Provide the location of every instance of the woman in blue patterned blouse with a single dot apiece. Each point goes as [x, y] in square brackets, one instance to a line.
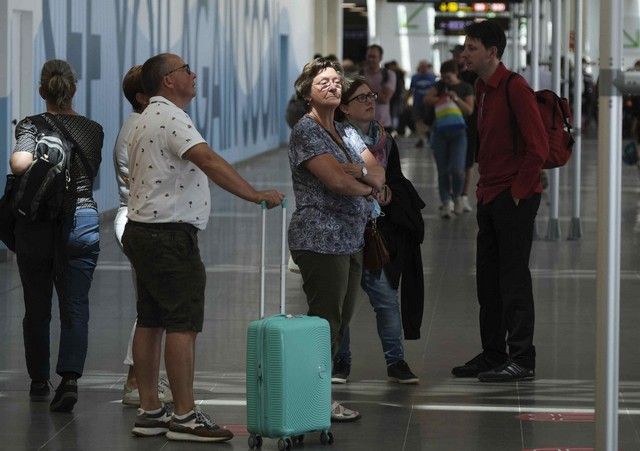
[333, 179]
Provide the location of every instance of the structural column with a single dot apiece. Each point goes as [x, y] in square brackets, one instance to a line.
[575, 230]
[553, 226]
[608, 265]
[328, 27]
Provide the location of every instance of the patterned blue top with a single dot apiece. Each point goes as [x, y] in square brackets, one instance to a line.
[324, 222]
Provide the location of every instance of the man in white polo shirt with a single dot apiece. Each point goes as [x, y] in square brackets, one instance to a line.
[169, 201]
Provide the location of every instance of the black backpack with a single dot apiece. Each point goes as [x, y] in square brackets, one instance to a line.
[39, 192]
[296, 108]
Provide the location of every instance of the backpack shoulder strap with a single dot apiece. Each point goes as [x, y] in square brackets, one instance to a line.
[512, 116]
[40, 122]
[511, 76]
[62, 129]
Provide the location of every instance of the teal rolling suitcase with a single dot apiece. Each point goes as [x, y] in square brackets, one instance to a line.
[288, 370]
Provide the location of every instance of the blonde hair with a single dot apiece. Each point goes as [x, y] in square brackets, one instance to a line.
[58, 83]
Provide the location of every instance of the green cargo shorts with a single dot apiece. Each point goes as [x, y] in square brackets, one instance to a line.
[170, 275]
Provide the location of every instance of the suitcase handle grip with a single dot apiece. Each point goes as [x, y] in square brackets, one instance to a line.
[283, 204]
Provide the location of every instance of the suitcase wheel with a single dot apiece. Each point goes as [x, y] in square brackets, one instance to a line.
[284, 444]
[326, 438]
[255, 441]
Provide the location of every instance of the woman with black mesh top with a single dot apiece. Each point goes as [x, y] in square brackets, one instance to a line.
[61, 252]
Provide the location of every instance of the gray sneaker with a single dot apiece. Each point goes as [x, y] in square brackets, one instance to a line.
[197, 427]
[151, 424]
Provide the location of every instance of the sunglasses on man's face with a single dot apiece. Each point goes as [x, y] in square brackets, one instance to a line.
[186, 68]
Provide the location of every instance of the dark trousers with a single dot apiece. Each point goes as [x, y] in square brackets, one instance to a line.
[331, 284]
[505, 234]
[41, 265]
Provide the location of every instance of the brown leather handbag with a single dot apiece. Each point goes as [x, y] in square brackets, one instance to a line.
[375, 254]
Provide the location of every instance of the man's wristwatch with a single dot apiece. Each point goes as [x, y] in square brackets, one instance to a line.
[363, 172]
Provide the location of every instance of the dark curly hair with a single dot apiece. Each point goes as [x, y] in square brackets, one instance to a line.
[309, 72]
[351, 85]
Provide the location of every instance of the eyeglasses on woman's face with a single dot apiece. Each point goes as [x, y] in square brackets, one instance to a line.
[364, 98]
[325, 83]
[186, 68]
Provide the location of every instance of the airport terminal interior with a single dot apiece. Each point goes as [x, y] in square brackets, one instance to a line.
[240, 112]
[555, 411]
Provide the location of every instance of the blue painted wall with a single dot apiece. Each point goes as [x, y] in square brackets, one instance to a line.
[4, 137]
[233, 46]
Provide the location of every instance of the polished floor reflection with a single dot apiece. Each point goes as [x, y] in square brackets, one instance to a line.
[442, 413]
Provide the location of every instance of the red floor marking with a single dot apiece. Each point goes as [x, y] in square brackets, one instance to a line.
[558, 449]
[237, 429]
[569, 417]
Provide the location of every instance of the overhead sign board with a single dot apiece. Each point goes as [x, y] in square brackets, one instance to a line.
[472, 7]
[439, 1]
[454, 26]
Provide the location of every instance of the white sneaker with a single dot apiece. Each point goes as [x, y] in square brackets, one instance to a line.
[341, 414]
[458, 206]
[446, 210]
[131, 396]
[150, 424]
[466, 206]
[164, 391]
[292, 267]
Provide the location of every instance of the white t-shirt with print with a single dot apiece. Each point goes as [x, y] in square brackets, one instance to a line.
[164, 187]
[121, 157]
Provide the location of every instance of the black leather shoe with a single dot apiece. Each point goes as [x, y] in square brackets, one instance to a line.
[66, 396]
[507, 372]
[473, 367]
[39, 390]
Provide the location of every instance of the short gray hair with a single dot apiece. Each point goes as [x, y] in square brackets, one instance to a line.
[153, 71]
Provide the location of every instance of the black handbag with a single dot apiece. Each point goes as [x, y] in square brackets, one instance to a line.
[375, 254]
[7, 217]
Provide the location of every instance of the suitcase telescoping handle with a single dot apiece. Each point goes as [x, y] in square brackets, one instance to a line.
[283, 257]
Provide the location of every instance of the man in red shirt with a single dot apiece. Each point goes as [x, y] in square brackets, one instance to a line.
[508, 199]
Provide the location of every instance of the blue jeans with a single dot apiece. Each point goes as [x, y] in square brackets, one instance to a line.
[40, 257]
[384, 300]
[450, 150]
